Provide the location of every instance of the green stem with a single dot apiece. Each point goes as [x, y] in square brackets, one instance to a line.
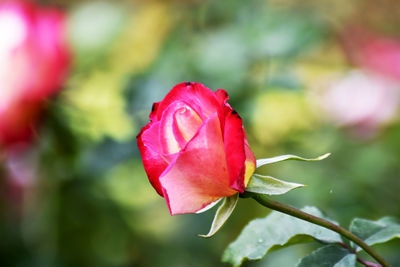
[319, 221]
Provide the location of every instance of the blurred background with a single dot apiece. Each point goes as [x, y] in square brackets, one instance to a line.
[308, 77]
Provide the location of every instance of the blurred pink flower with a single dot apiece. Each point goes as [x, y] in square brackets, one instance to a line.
[371, 51]
[363, 101]
[33, 62]
[383, 56]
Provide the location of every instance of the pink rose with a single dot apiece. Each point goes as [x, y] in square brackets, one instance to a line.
[33, 63]
[362, 101]
[195, 150]
[374, 52]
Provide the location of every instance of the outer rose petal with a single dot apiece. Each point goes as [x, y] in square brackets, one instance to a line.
[234, 147]
[199, 174]
[240, 165]
[250, 162]
[153, 114]
[222, 96]
[196, 95]
[152, 157]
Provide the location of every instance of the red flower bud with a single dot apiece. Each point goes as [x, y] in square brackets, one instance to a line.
[195, 150]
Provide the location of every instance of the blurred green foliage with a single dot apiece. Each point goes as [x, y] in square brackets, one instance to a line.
[90, 203]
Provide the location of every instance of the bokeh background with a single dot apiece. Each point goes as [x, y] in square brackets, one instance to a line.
[308, 77]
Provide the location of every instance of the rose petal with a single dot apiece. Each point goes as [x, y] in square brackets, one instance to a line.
[235, 152]
[168, 141]
[222, 96]
[179, 123]
[154, 109]
[197, 96]
[186, 123]
[250, 162]
[153, 161]
[198, 176]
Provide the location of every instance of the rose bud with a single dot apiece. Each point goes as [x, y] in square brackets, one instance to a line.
[194, 149]
[33, 63]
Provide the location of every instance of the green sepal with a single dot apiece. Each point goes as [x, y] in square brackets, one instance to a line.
[329, 256]
[268, 185]
[262, 162]
[223, 213]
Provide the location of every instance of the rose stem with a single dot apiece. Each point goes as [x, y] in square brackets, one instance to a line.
[319, 221]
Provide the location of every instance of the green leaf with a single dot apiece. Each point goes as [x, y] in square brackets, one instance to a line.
[222, 214]
[276, 230]
[262, 162]
[269, 185]
[376, 232]
[329, 256]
